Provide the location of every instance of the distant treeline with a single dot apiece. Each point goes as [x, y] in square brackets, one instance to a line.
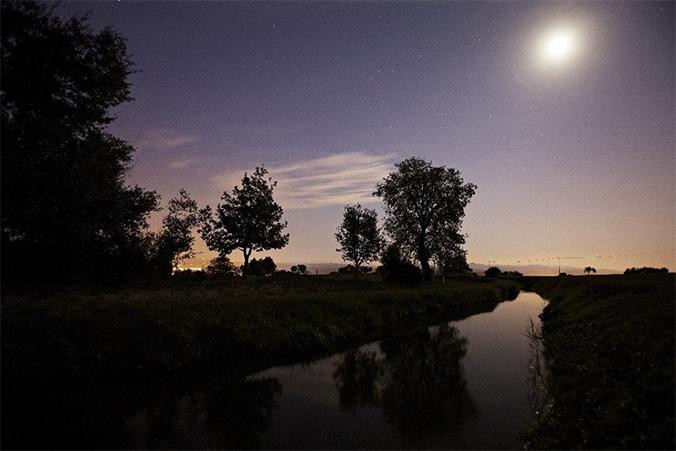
[645, 270]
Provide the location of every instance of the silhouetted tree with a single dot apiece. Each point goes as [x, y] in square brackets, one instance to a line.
[294, 269]
[589, 269]
[425, 206]
[493, 271]
[66, 211]
[302, 269]
[358, 236]
[175, 241]
[249, 219]
[221, 267]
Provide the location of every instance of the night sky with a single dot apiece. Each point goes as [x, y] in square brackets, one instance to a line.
[573, 152]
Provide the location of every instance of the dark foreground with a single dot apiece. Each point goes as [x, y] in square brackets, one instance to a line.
[609, 346]
[459, 384]
[66, 350]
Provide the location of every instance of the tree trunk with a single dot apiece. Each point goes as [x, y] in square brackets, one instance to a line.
[245, 267]
[424, 260]
[426, 270]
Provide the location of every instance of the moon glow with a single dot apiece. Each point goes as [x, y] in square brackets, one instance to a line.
[558, 46]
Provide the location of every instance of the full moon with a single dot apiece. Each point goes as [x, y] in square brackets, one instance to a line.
[558, 46]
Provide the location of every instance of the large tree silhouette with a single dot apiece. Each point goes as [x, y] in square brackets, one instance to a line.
[425, 205]
[66, 211]
[249, 219]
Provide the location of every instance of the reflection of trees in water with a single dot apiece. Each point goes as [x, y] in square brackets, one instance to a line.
[230, 414]
[359, 378]
[419, 382]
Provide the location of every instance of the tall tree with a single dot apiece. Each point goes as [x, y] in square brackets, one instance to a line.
[65, 206]
[358, 235]
[424, 207]
[249, 219]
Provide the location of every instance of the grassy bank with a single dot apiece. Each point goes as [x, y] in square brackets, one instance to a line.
[609, 344]
[258, 322]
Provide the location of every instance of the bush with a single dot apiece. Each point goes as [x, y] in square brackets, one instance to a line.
[493, 271]
[263, 267]
[398, 269]
[221, 267]
[350, 269]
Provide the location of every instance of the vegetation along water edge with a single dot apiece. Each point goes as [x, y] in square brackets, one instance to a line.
[609, 348]
[232, 324]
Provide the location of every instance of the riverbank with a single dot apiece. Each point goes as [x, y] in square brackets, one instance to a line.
[609, 346]
[242, 322]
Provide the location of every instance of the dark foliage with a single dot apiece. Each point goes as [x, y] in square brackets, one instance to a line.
[609, 345]
[397, 268]
[299, 269]
[263, 267]
[452, 262]
[349, 269]
[511, 274]
[175, 241]
[358, 235]
[646, 270]
[221, 267]
[249, 219]
[493, 271]
[425, 205]
[67, 215]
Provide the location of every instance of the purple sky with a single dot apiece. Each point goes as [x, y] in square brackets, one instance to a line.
[573, 160]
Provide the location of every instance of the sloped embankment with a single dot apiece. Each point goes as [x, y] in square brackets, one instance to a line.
[609, 345]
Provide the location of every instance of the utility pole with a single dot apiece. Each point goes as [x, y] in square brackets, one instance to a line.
[559, 260]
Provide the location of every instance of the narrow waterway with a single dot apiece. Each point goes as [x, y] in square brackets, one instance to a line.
[463, 384]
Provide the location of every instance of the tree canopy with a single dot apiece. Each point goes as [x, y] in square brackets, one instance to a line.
[66, 211]
[424, 208]
[249, 219]
[589, 269]
[175, 241]
[358, 235]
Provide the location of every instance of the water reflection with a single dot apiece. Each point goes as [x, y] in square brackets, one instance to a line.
[220, 412]
[417, 379]
[225, 414]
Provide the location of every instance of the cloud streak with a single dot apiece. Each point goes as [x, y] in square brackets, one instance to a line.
[165, 138]
[339, 179]
[180, 164]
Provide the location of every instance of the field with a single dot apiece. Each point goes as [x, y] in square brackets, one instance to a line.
[609, 347]
[229, 325]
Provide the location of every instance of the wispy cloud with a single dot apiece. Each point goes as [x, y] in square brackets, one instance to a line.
[165, 138]
[338, 179]
[180, 164]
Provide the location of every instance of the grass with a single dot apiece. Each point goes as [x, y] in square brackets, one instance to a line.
[258, 322]
[609, 345]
